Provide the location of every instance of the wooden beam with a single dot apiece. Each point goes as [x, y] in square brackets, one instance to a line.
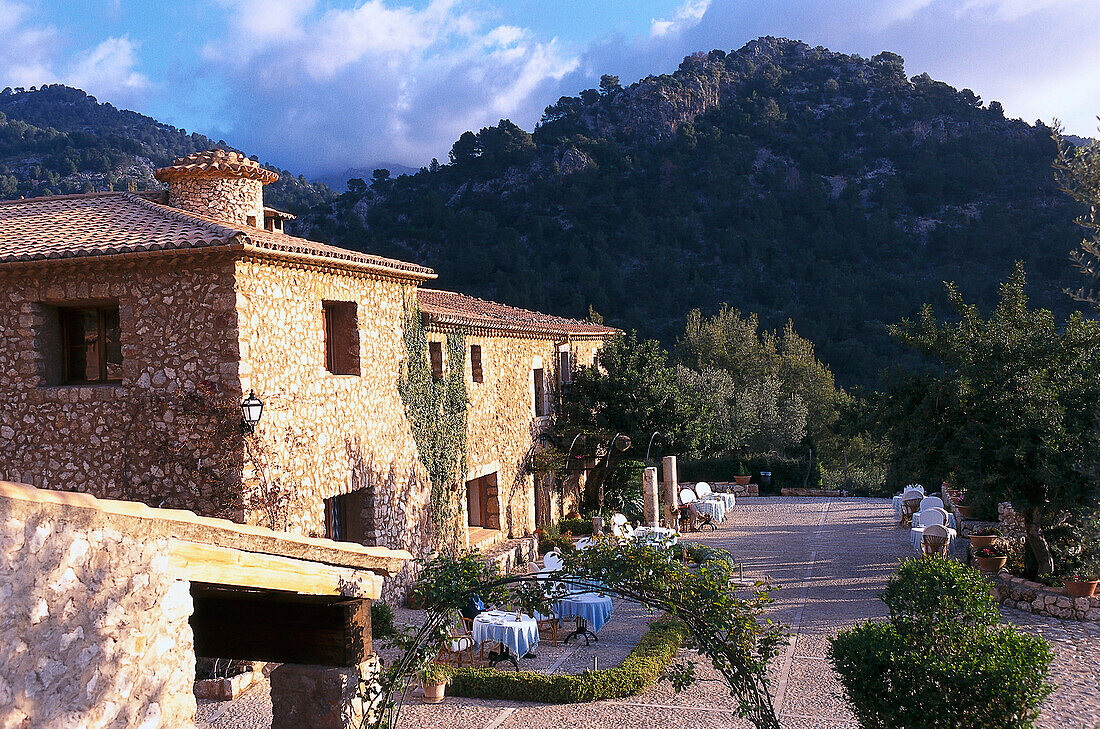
[267, 628]
[233, 567]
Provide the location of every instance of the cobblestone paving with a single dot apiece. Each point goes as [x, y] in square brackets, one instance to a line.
[828, 558]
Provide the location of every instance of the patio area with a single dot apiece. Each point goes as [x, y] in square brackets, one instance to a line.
[829, 558]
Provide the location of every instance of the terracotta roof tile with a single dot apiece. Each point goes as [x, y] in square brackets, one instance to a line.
[109, 223]
[449, 308]
[273, 213]
[215, 163]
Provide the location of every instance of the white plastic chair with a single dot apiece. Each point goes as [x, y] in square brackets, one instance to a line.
[584, 543]
[552, 562]
[702, 489]
[929, 502]
[620, 529]
[686, 496]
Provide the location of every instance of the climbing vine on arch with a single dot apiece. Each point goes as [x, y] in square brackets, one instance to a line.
[436, 411]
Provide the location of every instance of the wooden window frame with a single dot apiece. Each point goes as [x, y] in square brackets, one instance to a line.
[538, 383]
[565, 367]
[477, 371]
[345, 316]
[435, 360]
[100, 310]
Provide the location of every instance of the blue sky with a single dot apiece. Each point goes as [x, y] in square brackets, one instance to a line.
[319, 85]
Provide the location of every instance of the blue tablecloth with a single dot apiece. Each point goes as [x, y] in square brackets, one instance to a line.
[715, 508]
[899, 504]
[519, 635]
[728, 500]
[594, 608]
[657, 536]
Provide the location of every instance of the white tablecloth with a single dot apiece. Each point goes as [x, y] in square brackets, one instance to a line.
[728, 500]
[519, 635]
[915, 534]
[593, 607]
[657, 536]
[715, 508]
[950, 520]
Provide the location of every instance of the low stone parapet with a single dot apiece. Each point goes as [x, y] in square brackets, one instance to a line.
[512, 554]
[729, 487]
[1035, 597]
[812, 492]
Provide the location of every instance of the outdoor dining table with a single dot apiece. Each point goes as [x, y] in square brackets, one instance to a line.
[950, 520]
[728, 500]
[592, 606]
[516, 633]
[715, 508]
[657, 536]
[899, 503]
[917, 533]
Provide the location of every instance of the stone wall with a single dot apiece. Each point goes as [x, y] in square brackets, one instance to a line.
[226, 198]
[1034, 597]
[94, 632]
[178, 329]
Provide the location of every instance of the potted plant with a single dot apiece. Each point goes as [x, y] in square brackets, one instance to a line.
[415, 599]
[991, 558]
[985, 537]
[744, 476]
[1080, 585]
[434, 679]
[965, 510]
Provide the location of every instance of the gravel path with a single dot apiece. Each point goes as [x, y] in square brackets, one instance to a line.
[829, 558]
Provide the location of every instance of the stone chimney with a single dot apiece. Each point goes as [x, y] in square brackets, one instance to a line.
[218, 184]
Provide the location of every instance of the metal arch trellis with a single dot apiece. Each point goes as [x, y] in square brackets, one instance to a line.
[726, 629]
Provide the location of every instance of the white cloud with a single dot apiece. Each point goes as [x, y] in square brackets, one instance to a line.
[338, 87]
[687, 15]
[108, 70]
[25, 51]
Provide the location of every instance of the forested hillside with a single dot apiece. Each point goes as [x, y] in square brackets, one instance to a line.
[57, 140]
[785, 180]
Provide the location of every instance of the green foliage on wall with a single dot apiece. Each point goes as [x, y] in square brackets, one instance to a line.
[436, 411]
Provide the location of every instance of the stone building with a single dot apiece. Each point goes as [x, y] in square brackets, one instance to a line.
[132, 323]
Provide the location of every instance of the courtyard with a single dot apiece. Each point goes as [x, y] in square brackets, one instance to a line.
[828, 559]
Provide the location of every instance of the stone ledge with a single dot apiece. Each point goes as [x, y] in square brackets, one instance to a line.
[1034, 597]
[812, 492]
[729, 487]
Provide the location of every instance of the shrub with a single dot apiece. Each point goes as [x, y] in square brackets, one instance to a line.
[577, 527]
[638, 671]
[938, 591]
[941, 660]
[381, 620]
[993, 550]
[980, 678]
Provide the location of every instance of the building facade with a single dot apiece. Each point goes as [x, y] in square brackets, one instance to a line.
[133, 324]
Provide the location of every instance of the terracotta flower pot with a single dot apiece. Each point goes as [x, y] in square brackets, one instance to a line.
[965, 511]
[742, 480]
[978, 541]
[1080, 589]
[433, 692]
[991, 564]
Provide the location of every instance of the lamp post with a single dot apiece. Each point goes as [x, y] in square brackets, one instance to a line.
[251, 410]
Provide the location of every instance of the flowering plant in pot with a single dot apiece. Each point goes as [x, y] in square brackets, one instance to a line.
[434, 678]
[985, 537]
[1080, 585]
[991, 558]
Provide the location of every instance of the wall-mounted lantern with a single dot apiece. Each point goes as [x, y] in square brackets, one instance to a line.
[251, 410]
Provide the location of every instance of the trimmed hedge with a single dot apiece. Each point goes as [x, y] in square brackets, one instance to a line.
[576, 527]
[638, 671]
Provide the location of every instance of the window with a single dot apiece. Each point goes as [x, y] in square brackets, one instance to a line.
[565, 367]
[540, 392]
[480, 502]
[344, 516]
[435, 355]
[341, 337]
[250, 220]
[91, 347]
[475, 363]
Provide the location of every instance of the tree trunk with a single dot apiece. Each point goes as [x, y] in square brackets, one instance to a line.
[1036, 542]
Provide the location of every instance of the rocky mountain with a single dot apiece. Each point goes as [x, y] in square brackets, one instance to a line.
[338, 181]
[59, 140]
[783, 179]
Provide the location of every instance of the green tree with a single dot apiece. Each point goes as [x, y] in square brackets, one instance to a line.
[631, 392]
[1011, 406]
[1077, 170]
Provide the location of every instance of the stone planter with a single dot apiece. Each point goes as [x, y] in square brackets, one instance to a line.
[742, 480]
[991, 565]
[978, 541]
[433, 692]
[1080, 589]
